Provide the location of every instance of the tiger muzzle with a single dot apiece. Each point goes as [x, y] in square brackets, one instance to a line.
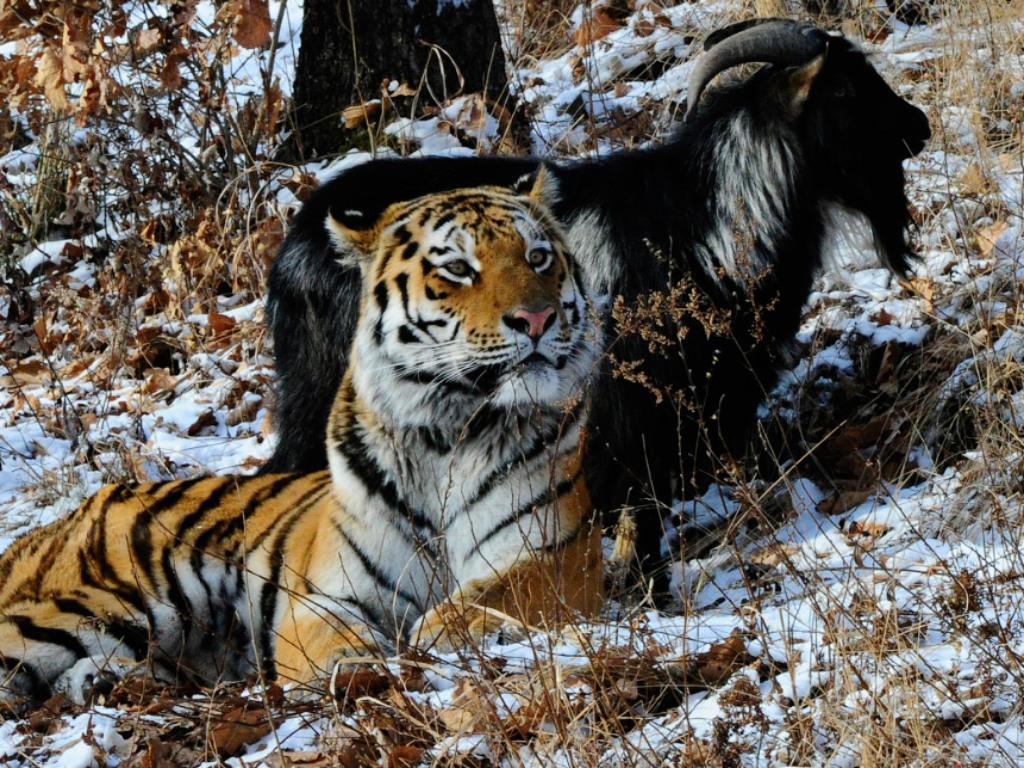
[533, 323]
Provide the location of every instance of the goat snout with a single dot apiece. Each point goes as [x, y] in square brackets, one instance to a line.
[531, 322]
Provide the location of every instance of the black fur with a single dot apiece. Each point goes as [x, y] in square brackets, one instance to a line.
[759, 152]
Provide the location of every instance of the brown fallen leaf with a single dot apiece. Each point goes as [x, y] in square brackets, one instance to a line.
[868, 530]
[924, 289]
[403, 756]
[221, 324]
[773, 554]
[601, 23]
[360, 114]
[843, 502]
[644, 27]
[26, 373]
[159, 381]
[717, 664]
[156, 754]
[975, 181]
[304, 759]
[469, 708]
[987, 236]
[355, 682]
[237, 728]
[206, 418]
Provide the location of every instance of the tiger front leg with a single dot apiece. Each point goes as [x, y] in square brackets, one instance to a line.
[315, 634]
[484, 605]
[463, 619]
[541, 591]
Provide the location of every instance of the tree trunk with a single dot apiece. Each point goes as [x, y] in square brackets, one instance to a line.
[440, 48]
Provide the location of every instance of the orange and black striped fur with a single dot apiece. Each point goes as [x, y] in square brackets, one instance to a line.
[454, 496]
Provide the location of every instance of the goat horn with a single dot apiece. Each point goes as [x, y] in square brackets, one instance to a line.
[775, 41]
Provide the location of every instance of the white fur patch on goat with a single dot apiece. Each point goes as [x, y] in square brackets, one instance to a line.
[754, 190]
[590, 241]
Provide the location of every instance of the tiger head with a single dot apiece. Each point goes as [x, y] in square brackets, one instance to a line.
[469, 295]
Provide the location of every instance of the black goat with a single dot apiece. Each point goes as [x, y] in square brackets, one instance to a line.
[728, 220]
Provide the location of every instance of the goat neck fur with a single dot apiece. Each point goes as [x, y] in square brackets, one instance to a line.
[728, 219]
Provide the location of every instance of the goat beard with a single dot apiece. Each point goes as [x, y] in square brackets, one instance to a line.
[888, 213]
[891, 226]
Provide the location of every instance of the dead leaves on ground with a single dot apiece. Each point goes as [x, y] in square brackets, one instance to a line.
[145, 331]
[397, 719]
[865, 424]
[600, 22]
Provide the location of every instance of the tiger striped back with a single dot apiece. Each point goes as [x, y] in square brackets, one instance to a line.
[454, 496]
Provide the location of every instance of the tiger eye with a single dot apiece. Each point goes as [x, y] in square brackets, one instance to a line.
[457, 268]
[538, 257]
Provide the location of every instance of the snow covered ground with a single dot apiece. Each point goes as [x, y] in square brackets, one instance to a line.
[865, 608]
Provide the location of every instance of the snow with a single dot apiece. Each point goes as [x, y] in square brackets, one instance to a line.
[89, 740]
[45, 253]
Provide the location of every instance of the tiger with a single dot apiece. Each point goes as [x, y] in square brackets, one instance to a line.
[454, 498]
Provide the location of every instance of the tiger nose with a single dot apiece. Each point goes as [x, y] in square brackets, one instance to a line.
[533, 323]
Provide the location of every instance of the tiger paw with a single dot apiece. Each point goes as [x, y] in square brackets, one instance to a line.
[94, 677]
[14, 688]
[449, 626]
[308, 666]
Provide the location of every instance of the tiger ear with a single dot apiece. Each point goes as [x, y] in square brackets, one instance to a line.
[541, 186]
[351, 235]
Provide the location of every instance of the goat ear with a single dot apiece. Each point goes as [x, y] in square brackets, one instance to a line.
[797, 88]
[541, 186]
[353, 238]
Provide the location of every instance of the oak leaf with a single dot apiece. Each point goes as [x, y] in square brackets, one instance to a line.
[987, 236]
[238, 728]
[601, 23]
[49, 78]
[252, 23]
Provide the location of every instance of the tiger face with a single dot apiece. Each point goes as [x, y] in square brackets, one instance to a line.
[476, 294]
